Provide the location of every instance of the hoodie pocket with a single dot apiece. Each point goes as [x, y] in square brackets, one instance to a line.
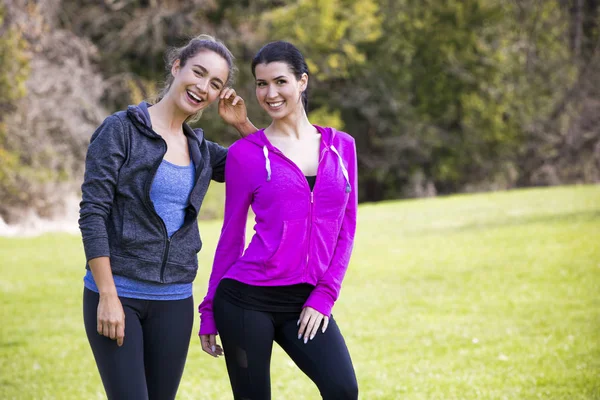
[324, 240]
[128, 229]
[288, 255]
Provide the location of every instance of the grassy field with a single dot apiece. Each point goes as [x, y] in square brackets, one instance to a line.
[491, 296]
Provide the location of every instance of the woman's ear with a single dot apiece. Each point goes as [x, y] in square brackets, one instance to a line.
[176, 67]
[303, 82]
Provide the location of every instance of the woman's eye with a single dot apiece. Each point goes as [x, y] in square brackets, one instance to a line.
[281, 82]
[216, 86]
[260, 84]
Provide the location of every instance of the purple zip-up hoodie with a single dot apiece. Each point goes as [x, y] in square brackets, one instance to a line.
[300, 236]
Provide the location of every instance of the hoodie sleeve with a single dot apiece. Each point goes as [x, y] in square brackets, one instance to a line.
[238, 196]
[218, 156]
[328, 287]
[105, 156]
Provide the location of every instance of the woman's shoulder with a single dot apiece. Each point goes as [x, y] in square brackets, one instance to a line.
[339, 139]
[112, 126]
[247, 146]
[344, 137]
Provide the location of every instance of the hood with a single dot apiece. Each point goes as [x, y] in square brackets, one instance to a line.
[140, 115]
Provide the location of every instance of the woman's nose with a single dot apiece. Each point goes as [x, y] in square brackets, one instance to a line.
[271, 92]
[202, 85]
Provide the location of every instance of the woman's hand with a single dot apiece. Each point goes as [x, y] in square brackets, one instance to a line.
[111, 318]
[309, 322]
[232, 107]
[233, 111]
[209, 345]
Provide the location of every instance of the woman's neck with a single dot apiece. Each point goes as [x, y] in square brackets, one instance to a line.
[295, 126]
[166, 117]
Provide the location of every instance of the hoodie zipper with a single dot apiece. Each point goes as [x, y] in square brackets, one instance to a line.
[311, 198]
[150, 205]
[312, 204]
[310, 218]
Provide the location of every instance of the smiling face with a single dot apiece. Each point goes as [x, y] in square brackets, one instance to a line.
[278, 91]
[198, 82]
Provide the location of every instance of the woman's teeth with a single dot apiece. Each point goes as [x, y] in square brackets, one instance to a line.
[275, 105]
[194, 97]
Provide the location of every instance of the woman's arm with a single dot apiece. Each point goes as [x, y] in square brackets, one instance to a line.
[238, 196]
[105, 156]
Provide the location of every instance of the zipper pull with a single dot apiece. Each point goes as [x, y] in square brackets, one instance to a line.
[311, 198]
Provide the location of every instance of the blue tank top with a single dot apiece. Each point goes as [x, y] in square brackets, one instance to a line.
[169, 193]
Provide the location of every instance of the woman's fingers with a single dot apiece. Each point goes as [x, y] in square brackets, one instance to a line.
[120, 333]
[210, 346]
[212, 341]
[112, 331]
[237, 100]
[227, 93]
[302, 321]
[204, 343]
[309, 327]
[106, 329]
[316, 323]
[111, 319]
[309, 322]
[325, 324]
[231, 95]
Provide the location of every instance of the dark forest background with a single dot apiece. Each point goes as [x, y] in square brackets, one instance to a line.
[441, 96]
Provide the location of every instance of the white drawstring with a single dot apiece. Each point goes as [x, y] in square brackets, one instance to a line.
[267, 162]
[344, 170]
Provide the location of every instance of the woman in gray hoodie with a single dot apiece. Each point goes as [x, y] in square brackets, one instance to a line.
[146, 175]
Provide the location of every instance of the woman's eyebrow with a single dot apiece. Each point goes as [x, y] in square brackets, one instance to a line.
[274, 79]
[205, 71]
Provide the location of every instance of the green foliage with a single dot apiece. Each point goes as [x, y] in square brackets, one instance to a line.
[325, 117]
[327, 31]
[14, 63]
[441, 97]
[490, 296]
[14, 70]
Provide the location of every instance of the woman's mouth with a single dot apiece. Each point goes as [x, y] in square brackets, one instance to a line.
[275, 105]
[194, 98]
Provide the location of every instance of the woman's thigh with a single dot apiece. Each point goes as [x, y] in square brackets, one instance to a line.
[325, 359]
[121, 368]
[167, 329]
[247, 339]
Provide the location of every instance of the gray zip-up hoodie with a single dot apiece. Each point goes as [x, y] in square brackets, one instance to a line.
[117, 217]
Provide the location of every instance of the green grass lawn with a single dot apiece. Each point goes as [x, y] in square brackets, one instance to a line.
[488, 296]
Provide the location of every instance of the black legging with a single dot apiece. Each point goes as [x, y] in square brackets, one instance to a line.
[247, 337]
[150, 363]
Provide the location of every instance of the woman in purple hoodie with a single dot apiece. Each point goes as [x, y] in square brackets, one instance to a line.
[300, 180]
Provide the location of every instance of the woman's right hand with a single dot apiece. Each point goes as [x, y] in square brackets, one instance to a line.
[111, 318]
[209, 345]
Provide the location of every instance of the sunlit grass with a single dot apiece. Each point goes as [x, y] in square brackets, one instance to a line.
[491, 296]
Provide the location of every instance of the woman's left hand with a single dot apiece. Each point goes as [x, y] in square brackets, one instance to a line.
[309, 322]
[232, 107]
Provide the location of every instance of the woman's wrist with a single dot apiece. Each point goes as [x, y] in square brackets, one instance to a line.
[245, 128]
[112, 292]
